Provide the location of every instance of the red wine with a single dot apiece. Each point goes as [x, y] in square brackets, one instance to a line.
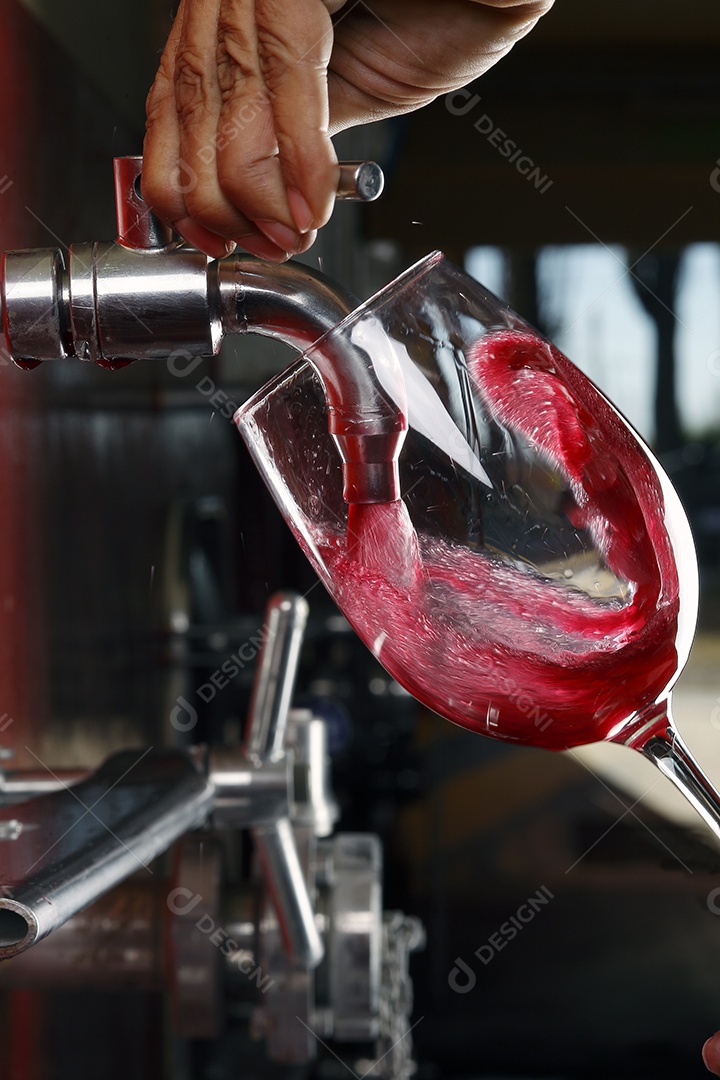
[491, 643]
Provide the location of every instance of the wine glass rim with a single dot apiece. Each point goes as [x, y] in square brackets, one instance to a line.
[378, 300]
[384, 295]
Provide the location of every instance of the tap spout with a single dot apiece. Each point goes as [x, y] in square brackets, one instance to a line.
[117, 302]
[365, 394]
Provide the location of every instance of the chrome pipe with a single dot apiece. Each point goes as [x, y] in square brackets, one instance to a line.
[16, 785]
[70, 847]
[243, 794]
[118, 942]
[144, 297]
[300, 306]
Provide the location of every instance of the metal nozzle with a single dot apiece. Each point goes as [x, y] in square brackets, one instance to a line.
[144, 297]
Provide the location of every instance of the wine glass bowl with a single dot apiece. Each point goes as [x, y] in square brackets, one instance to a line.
[538, 582]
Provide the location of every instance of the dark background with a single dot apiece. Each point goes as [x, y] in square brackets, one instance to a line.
[105, 477]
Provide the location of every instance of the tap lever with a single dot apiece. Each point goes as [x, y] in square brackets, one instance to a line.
[278, 853]
[285, 619]
[138, 227]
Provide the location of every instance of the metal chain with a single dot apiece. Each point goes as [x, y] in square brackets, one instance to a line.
[402, 935]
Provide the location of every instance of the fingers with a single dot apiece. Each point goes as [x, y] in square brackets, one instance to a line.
[296, 42]
[275, 160]
[198, 103]
[179, 175]
[161, 179]
[237, 144]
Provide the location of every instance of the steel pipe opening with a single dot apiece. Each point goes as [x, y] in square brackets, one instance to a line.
[14, 928]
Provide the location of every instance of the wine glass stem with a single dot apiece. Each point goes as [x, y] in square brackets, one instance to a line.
[666, 749]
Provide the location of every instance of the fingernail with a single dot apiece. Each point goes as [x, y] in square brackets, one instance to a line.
[308, 239]
[285, 238]
[264, 249]
[202, 239]
[301, 212]
[230, 246]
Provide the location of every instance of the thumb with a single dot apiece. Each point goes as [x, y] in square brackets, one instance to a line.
[711, 1054]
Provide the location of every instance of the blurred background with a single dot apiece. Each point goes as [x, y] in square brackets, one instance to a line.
[579, 180]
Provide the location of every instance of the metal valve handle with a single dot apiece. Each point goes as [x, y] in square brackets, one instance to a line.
[360, 181]
[138, 227]
[285, 619]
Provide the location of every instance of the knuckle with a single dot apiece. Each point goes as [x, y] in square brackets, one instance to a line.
[238, 90]
[277, 57]
[236, 61]
[191, 86]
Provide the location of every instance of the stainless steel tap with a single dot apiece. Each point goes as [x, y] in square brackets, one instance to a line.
[63, 856]
[308, 924]
[149, 296]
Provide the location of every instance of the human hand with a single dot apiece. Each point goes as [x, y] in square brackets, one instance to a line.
[249, 92]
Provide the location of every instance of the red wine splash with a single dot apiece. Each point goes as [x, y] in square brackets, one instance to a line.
[492, 643]
[381, 538]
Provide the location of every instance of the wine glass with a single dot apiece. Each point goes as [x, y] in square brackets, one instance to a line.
[537, 580]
